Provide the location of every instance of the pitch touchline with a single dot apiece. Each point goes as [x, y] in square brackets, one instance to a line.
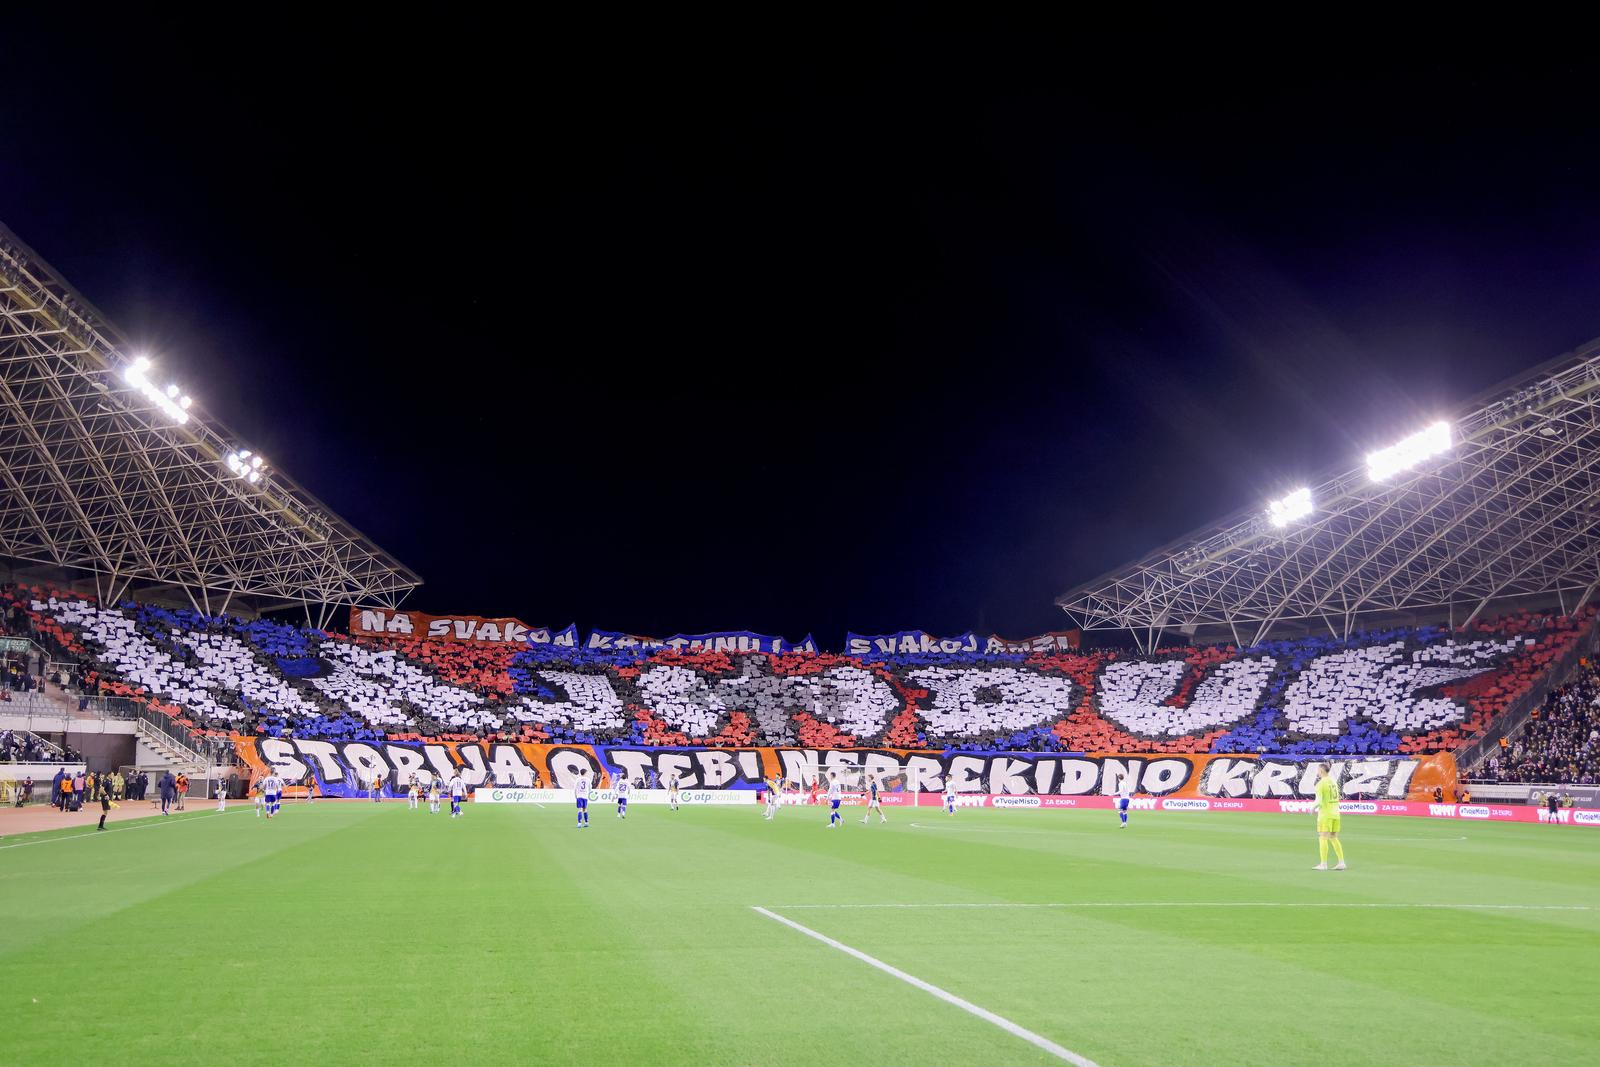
[927, 987]
[121, 830]
[1207, 904]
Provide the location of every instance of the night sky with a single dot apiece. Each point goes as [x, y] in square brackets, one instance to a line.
[680, 327]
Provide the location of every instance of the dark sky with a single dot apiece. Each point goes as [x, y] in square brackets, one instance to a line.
[677, 327]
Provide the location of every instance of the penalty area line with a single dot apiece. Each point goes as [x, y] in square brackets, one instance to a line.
[985, 1014]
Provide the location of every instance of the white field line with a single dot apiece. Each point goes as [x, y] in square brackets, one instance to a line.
[1206, 904]
[986, 1015]
[953, 829]
[992, 830]
[158, 821]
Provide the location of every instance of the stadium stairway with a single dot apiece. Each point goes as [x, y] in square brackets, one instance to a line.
[157, 752]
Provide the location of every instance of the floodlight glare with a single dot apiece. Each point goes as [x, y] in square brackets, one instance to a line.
[1404, 455]
[246, 464]
[1297, 505]
[134, 375]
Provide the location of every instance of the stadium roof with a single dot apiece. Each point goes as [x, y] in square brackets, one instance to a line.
[1509, 510]
[103, 471]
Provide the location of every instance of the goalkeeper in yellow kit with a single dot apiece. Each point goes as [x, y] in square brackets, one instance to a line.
[1328, 819]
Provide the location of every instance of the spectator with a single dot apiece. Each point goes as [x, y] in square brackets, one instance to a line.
[1560, 743]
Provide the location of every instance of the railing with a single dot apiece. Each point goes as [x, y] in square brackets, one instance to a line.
[178, 735]
[44, 751]
[70, 708]
[209, 750]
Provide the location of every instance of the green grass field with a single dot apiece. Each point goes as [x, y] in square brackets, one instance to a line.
[364, 933]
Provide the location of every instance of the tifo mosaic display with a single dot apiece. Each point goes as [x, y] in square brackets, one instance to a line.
[1391, 692]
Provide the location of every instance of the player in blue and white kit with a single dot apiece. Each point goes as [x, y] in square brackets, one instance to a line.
[949, 797]
[1124, 795]
[873, 804]
[623, 786]
[580, 793]
[835, 795]
[458, 793]
[272, 791]
[672, 791]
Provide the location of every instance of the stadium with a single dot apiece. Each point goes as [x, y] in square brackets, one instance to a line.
[1316, 782]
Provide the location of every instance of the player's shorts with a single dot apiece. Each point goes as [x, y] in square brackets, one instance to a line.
[1122, 803]
[622, 802]
[272, 798]
[835, 803]
[1327, 824]
[583, 802]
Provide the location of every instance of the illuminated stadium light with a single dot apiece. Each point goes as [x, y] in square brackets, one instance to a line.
[1297, 505]
[247, 465]
[171, 401]
[1404, 455]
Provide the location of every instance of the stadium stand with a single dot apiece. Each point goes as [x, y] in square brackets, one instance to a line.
[1405, 691]
[1560, 743]
[20, 746]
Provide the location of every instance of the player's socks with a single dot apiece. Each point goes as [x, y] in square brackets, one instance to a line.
[1322, 850]
[1338, 850]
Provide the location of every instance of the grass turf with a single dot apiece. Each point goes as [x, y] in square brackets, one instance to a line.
[364, 932]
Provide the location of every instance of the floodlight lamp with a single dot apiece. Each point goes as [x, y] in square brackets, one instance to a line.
[1296, 505]
[1410, 452]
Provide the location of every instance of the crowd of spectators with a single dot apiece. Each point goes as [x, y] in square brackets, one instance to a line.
[19, 746]
[1560, 742]
[1403, 690]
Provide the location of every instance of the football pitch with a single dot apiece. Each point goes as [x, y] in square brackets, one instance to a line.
[355, 932]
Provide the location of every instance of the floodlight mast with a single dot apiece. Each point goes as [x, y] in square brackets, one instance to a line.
[1511, 508]
[108, 473]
